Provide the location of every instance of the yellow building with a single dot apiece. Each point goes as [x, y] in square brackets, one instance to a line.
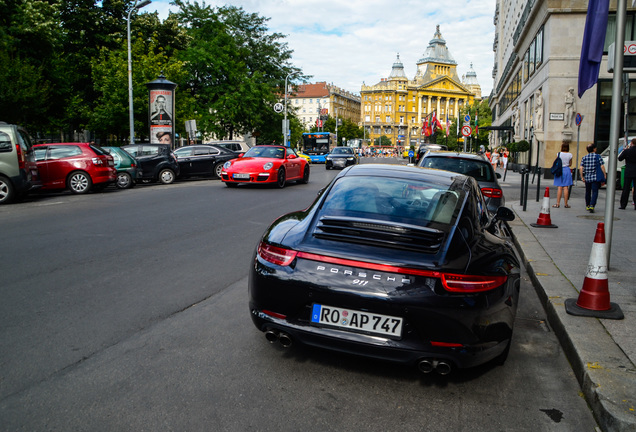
[396, 106]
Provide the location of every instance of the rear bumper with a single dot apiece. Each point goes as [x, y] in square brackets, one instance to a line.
[379, 348]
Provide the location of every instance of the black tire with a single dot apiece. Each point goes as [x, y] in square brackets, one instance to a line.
[124, 180]
[7, 191]
[281, 178]
[166, 176]
[218, 168]
[305, 178]
[79, 182]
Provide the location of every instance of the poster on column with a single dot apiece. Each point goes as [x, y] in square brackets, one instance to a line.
[161, 116]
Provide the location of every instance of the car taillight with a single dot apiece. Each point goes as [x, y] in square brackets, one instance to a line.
[492, 192]
[276, 255]
[21, 158]
[471, 283]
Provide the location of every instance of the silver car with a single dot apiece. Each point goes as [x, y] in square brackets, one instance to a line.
[472, 165]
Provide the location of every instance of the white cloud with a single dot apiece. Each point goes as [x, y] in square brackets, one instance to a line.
[348, 43]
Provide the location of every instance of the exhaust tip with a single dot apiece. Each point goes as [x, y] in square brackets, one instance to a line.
[425, 366]
[285, 340]
[443, 368]
[271, 336]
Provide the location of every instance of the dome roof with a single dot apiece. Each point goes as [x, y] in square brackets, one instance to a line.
[470, 77]
[437, 50]
[397, 71]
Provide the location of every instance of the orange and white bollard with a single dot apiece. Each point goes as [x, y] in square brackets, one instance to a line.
[594, 298]
[544, 221]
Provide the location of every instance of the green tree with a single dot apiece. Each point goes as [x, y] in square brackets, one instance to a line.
[237, 69]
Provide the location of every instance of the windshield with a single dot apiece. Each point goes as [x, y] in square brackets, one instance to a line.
[342, 150]
[398, 200]
[266, 152]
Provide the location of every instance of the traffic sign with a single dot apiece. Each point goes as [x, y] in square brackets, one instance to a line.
[278, 107]
[467, 130]
[467, 118]
[319, 123]
[578, 119]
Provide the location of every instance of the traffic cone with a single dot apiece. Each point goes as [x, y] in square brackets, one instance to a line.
[543, 221]
[594, 299]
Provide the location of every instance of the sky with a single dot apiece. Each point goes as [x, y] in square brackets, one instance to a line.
[355, 42]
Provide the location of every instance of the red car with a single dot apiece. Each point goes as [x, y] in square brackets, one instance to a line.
[78, 167]
[266, 164]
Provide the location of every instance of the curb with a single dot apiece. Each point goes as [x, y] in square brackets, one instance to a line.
[605, 374]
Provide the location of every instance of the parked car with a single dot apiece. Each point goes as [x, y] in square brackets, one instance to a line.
[128, 170]
[472, 165]
[341, 157]
[423, 148]
[390, 262]
[78, 167]
[202, 160]
[266, 164]
[234, 146]
[18, 169]
[157, 161]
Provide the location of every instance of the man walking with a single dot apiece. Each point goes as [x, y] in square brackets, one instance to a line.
[629, 155]
[592, 171]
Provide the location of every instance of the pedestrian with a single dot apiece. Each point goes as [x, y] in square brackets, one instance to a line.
[564, 181]
[494, 159]
[629, 156]
[593, 173]
[504, 158]
[487, 154]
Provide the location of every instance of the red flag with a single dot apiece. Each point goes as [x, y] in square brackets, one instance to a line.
[425, 127]
[434, 121]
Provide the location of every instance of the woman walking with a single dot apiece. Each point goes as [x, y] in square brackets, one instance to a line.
[564, 181]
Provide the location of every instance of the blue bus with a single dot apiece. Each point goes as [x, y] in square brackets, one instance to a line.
[317, 145]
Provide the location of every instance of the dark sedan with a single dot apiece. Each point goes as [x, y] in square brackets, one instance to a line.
[472, 165]
[341, 157]
[202, 160]
[395, 263]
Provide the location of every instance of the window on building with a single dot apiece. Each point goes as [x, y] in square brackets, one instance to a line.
[388, 119]
[610, 34]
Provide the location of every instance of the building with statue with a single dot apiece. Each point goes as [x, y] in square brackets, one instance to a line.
[396, 106]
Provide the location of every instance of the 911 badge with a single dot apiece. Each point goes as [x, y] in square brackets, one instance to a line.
[362, 278]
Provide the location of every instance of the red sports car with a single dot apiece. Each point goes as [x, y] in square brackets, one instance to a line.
[266, 164]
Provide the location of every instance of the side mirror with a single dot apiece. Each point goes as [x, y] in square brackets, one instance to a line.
[498, 175]
[292, 157]
[241, 155]
[504, 214]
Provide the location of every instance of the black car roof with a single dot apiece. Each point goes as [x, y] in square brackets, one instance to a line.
[411, 172]
[442, 153]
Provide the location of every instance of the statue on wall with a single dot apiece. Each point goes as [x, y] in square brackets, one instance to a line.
[538, 110]
[515, 120]
[570, 107]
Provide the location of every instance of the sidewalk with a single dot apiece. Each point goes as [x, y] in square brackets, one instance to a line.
[602, 352]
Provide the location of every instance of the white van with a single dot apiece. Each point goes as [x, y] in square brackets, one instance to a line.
[619, 164]
[232, 145]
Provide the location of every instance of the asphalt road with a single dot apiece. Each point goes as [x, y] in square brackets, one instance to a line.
[127, 310]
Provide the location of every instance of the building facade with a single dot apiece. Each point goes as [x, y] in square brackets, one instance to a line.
[537, 49]
[396, 106]
[310, 101]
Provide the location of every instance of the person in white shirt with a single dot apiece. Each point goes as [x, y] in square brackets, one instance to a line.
[564, 181]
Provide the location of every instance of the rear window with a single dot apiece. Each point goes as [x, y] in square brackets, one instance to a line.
[397, 200]
[479, 170]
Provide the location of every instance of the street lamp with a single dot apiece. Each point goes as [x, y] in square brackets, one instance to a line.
[130, 87]
[286, 126]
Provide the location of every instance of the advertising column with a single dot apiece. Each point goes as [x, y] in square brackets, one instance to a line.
[161, 110]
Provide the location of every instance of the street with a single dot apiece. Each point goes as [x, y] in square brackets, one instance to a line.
[127, 310]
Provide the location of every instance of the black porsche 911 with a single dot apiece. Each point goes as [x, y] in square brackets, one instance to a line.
[391, 262]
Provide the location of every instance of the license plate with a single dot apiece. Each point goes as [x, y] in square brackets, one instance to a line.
[355, 320]
[241, 176]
